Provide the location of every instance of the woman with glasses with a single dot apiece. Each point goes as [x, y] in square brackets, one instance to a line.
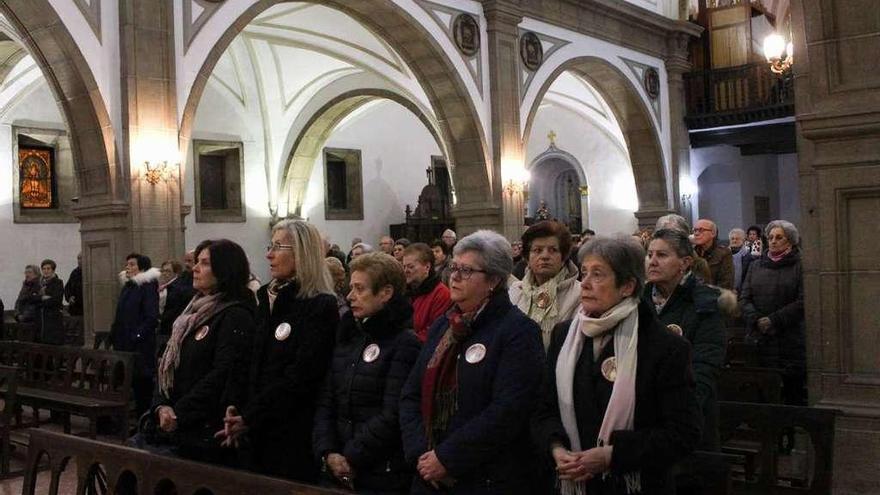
[464, 409]
[204, 365]
[618, 407]
[297, 317]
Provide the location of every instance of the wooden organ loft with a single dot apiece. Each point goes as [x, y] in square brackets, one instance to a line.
[731, 83]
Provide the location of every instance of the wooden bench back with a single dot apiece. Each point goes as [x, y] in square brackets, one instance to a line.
[71, 370]
[126, 470]
[759, 385]
[765, 424]
[9, 386]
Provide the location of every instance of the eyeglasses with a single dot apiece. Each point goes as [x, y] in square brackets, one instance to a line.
[464, 272]
[700, 230]
[275, 247]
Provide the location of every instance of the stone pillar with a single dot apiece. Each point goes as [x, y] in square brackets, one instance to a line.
[676, 66]
[150, 131]
[838, 123]
[503, 18]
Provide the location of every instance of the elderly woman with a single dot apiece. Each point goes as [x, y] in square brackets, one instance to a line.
[464, 409]
[340, 283]
[27, 305]
[772, 302]
[618, 406]
[204, 366]
[51, 301]
[297, 317]
[427, 294]
[687, 307]
[549, 292]
[360, 249]
[400, 246]
[357, 432]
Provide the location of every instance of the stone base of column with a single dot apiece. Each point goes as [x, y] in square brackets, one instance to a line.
[471, 218]
[648, 217]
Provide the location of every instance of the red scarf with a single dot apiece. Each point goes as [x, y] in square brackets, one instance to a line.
[440, 381]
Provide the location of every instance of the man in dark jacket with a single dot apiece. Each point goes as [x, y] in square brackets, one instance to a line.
[134, 328]
[719, 258]
[73, 291]
[177, 294]
[51, 297]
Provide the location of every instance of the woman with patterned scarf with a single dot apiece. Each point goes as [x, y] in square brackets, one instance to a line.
[465, 408]
[618, 406]
[204, 366]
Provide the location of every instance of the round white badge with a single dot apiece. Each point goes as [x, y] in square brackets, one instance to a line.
[202, 333]
[371, 353]
[672, 327]
[282, 331]
[475, 353]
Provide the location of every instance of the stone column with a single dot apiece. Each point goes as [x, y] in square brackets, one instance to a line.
[503, 18]
[676, 66]
[838, 123]
[150, 131]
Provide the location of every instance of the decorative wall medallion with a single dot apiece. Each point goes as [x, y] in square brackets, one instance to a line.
[531, 51]
[652, 83]
[466, 31]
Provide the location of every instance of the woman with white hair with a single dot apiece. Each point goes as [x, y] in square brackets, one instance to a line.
[465, 408]
[772, 302]
[297, 318]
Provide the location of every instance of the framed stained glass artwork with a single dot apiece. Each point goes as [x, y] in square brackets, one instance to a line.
[36, 175]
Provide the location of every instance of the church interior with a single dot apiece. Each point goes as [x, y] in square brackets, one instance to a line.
[149, 126]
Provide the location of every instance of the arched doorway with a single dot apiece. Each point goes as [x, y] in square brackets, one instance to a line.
[456, 118]
[558, 181]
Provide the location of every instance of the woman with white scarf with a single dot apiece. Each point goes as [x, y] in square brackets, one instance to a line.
[618, 406]
[205, 364]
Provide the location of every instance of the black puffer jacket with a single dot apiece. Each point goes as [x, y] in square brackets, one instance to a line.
[358, 409]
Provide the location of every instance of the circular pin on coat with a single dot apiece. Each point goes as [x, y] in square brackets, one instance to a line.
[203, 332]
[672, 327]
[609, 369]
[282, 331]
[475, 353]
[543, 300]
[371, 353]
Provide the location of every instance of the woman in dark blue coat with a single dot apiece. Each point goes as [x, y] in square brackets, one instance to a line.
[297, 319]
[357, 431]
[465, 408]
[204, 366]
[134, 328]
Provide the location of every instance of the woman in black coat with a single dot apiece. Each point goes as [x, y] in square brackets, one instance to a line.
[465, 408]
[618, 408]
[204, 366]
[297, 318]
[27, 305]
[51, 301]
[357, 431]
[689, 308]
[134, 328]
[772, 303]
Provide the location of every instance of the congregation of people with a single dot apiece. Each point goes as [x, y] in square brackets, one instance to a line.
[558, 363]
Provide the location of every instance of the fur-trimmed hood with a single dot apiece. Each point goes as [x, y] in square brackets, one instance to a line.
[151, 275]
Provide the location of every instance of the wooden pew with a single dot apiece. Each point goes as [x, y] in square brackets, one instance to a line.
[109, 468]
[742, 384]
[754, 431]
[704, 473]
[72, 380]
[8, 382]
[742, 354]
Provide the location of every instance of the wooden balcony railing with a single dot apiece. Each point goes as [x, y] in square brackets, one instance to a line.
[737, 95]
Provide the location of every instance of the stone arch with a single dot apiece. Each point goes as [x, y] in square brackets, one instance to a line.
[308, 144]
[70, 79]
[641, 134]
[456, 116]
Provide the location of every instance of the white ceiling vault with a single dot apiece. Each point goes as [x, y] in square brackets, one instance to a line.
[19, 73]
[295, 57]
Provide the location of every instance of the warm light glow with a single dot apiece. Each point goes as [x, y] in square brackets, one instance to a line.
[687, 186]
[512, 170]
[774, 47]
[789, 49]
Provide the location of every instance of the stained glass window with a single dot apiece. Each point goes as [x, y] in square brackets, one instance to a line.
[35, 175]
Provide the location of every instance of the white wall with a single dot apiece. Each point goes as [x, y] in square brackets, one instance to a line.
[396, 150]
[613, 198]
[23, 244]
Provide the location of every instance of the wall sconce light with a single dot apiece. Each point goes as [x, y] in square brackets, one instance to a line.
[778, 53]
[515, 176]
[157, 171]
